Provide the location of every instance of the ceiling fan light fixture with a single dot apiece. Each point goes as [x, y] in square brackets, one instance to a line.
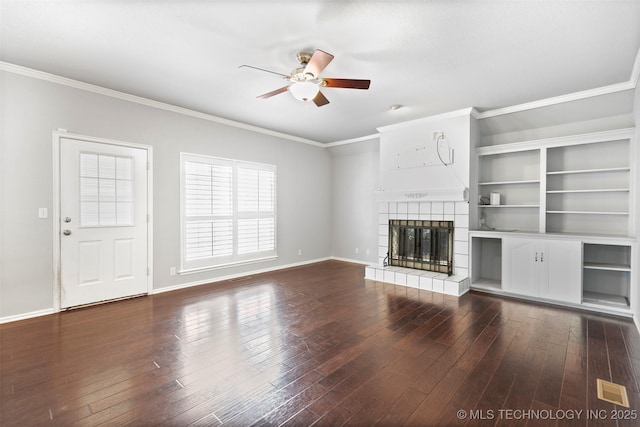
[304, 91]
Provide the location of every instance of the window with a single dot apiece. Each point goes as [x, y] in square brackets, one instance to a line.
[106, 190]
[228, 211]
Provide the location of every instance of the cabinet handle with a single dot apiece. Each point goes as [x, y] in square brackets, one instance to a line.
[541, 256]
[536, 257]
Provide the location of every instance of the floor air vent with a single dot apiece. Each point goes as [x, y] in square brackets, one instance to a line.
[613, 393]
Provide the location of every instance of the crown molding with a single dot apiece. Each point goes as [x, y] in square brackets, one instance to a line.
[352, 140]
[604, 90]
[52, 78]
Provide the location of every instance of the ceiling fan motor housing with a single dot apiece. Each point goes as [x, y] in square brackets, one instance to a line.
[304, 58]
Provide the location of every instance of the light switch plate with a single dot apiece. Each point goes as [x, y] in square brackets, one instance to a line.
[43, 213]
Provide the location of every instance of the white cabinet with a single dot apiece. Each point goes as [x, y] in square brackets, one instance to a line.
[547, 269]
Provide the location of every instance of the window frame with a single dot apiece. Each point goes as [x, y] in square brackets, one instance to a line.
[216, 262]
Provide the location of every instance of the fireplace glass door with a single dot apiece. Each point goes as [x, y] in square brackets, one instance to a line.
[423, 245]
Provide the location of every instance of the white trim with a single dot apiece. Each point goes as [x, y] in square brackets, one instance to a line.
[353, 140]
[24, 316]
[426, 195]
[353, 261]
[636, 320]
[234, 276]
[52, 78]
[635, 72]
[589, 93]
[57, 136]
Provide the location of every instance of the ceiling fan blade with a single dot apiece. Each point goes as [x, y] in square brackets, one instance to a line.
[262, 69]
[274, 92]
[320, 100]
[346, 83]
[319, 60]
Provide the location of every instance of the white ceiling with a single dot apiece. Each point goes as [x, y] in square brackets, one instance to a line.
[430, 56]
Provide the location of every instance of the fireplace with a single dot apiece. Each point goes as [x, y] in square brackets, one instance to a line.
[422, 245]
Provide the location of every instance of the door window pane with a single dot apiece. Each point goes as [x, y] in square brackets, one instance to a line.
[106, 190]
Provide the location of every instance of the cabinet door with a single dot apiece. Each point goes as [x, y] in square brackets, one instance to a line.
[520, 271]
[561, 271]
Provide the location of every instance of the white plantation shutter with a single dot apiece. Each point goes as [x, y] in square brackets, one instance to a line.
[228, 211]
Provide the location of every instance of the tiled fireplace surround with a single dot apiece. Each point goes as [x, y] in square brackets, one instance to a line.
[458, 212]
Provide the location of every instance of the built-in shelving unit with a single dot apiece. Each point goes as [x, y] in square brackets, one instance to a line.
[577, 188]
[576, 184]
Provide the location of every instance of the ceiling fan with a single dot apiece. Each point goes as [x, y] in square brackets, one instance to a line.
[306, 80]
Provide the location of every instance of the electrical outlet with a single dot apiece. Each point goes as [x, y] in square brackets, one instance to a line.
[172, 271]
[357, 251]
[368, 251]
[299, 251]
[439, 134]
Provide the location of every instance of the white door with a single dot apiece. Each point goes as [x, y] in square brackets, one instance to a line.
[562, 262]
[520, 271]
[103, 222]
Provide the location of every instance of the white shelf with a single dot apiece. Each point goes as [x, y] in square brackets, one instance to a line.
[607, 267]
[588, 213]
[600, 299]
[487, 283]
[603, 190]
[568, 172]
[527, 181]
[508, 206]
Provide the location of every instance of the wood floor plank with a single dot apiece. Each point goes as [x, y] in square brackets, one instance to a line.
[311, 345]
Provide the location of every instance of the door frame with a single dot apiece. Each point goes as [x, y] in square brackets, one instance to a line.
[58, 135]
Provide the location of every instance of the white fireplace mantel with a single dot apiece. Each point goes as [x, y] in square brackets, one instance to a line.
[429, 195]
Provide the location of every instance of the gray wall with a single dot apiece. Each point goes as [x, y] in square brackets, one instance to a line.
[354, 210]
[31, 109]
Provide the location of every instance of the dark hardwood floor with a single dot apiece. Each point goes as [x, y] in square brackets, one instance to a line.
[316, 345]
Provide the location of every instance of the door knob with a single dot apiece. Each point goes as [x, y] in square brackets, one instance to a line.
[66, 232]
[67, 219]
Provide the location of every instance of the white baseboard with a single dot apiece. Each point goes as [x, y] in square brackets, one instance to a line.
[636, 320]
[24, 316]
[234, 276]
[353, 261]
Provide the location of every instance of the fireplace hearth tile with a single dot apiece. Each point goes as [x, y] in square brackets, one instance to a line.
[400, 278]
[438, 286]
[413, 281]
[431, 281]
[426, 283]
